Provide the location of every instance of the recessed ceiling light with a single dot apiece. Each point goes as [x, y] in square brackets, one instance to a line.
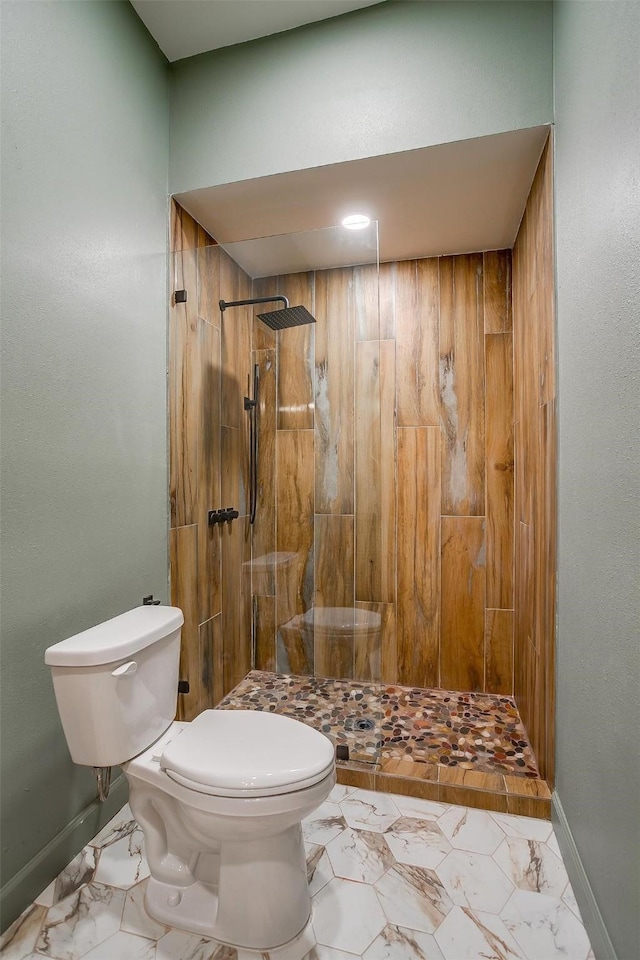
[357, 221]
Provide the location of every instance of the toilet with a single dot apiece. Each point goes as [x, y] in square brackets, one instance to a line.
[220, 799]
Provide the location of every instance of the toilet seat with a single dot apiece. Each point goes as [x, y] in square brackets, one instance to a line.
[247, 753]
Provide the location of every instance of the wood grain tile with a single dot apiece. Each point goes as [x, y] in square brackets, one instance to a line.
[208, 259]
[210, 656]
[295, 525]
[376, 658]
[498, 639]
[184, 395]
[498, 317]
[528, 807]
[473, 779]
[295, 648]
[236, 604]
[264, 611]
[234, 480]
[334, 561]
[183, 559]
[184, 230]
[407, 786]
[387, 300]
[367, 314]
[480, 799]
[416, 312]
[208, 488]
[264, 338]
[218, 659]
[463, 603]
[236, 329]
[334, 392]
[525, 787]
[296, 357]
[418, 601]
[356, 776]
[461, 384]
[405, 767]
[499, 470]
[375, 471]
[264, 528]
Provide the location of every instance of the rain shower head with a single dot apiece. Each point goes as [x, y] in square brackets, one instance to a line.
[287, 317]
[276, 319]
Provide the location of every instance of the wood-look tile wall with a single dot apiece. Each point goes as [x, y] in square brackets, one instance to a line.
[393, 487]
[209, 367]
[535, 486]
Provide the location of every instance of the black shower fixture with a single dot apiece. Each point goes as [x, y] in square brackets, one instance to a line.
[276, 319]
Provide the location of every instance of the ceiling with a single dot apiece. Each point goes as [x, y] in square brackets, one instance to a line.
[445, 199]
[184, 28]
[451, 198]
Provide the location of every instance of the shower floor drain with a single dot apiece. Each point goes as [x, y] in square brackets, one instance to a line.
[364, 724]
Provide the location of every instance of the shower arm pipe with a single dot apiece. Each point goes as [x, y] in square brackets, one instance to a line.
[223, 304]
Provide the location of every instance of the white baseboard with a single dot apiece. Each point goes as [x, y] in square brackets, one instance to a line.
[589, 909]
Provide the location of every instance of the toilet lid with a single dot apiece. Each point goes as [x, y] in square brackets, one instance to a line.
[247, 753]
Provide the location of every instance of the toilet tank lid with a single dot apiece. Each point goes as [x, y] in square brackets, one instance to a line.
[117, 638]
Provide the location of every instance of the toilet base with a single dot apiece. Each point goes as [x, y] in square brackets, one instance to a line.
[261, 901]
[192, 908]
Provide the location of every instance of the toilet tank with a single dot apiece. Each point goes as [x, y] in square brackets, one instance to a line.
[116, 685]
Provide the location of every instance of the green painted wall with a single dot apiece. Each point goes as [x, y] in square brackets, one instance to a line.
[597, 94]
[84, 459]
[392, 77]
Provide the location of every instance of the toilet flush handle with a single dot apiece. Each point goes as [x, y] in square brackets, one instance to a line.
[125, 670]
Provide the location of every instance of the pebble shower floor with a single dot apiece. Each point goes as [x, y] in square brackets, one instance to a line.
[473, 731]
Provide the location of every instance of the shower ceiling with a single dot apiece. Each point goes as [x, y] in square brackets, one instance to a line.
[451, 198]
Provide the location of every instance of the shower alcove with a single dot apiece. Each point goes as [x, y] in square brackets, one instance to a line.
[397, 587]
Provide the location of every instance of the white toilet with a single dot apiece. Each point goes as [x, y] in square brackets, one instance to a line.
[219, 800]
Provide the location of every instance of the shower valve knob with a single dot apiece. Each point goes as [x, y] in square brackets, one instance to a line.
[222, 516]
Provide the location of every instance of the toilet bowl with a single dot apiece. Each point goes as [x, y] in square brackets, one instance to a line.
[220, 800]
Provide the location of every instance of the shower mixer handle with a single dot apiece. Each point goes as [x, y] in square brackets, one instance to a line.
[222, 516]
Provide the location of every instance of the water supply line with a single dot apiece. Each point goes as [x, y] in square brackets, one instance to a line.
[103, 780]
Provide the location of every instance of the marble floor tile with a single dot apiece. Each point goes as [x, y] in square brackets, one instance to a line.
[81, 870]
[472, 830]
[359, 855]
[568, 897]
[420, 809]
[474, 880]
[325, 824]
[122, 863]
[399, 943]
[124, 946]
[347, 916]
[319, 870]
[545, 927]
[135, 918]
[466, 934]
[81, 921]
[119, 826]
[527, 827]
[177, 945]
[413, 897]
[391, 878]
[19, 940]
[367, 810]
[552, 843]
[531, 865]
[417, 842]
[320, 952]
